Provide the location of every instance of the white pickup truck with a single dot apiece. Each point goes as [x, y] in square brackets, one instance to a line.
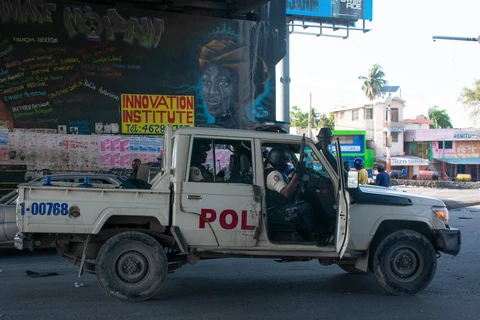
[131, 238]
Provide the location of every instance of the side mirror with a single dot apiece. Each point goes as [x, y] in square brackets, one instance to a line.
[352, 180]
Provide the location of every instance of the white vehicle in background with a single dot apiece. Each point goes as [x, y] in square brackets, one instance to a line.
[131, 238]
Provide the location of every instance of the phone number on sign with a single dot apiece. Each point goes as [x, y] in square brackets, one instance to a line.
[151, 128]
[44, 208]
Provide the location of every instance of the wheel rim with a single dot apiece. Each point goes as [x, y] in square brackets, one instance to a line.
[131, 267]
[405, 263]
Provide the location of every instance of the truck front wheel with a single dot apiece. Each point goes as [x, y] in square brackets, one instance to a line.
[404, 262]
[131, 266]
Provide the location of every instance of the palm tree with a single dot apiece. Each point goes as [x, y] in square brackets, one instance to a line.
[373, 82]
[314, 118]
[440, 118]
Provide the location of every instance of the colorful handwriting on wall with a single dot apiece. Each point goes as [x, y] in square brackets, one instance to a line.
[30, 11]
[150, 114]
[148, 32]
[83, 20]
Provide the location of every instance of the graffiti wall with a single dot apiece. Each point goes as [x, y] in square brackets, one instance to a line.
[78, 68]
[65, 152]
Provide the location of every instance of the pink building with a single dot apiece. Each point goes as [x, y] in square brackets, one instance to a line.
[452, 151]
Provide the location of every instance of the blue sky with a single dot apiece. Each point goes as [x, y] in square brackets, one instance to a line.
[429, 73]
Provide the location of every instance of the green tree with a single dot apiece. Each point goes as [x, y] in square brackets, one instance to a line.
[298, 118]
[373, 82]
[327, 121]
[440, 118]
[317, 119]
[470, 98]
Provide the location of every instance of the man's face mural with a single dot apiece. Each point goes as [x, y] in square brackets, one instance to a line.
[219, 90]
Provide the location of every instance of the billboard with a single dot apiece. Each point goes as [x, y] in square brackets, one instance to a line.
[338, 9]
[80, 68]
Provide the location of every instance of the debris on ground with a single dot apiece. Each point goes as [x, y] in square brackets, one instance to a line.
[79, 284]
[34, 274]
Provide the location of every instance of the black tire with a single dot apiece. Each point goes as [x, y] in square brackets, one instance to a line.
[404, 262]
[350, 268]
[131, 266]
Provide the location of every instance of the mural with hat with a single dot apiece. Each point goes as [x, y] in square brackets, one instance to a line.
[236, 85]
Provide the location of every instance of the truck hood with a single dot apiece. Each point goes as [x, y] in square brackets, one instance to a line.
[389, 196]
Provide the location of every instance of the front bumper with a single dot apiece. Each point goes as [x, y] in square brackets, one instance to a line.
[21, 242]
[449, 240]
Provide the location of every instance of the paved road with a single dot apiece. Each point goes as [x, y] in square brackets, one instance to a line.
[247, 289]
[453, 198]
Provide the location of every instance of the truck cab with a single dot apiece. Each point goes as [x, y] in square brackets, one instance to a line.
[211, 200]
[228, 209]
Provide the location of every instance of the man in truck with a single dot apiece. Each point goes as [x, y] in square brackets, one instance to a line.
[198, 172]
[281, 192]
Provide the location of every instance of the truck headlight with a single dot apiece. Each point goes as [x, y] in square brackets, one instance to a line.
[442, 212]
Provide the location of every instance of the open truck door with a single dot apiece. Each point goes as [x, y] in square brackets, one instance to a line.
[342, 235]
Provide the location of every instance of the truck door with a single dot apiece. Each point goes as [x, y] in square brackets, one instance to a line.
[343, 200]
[219, 202]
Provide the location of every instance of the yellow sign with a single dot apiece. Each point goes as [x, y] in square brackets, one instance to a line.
[151, 114]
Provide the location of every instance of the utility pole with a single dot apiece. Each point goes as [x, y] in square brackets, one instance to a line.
[389, 90]
[310, 118]
[389, 133]
[443, 160]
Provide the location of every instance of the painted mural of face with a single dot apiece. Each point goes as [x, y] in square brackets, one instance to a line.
[219, 90]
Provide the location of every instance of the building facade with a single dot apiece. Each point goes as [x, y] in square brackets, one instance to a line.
[373, 119]
[452, 151]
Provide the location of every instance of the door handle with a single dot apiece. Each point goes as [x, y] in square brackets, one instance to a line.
[194, 197]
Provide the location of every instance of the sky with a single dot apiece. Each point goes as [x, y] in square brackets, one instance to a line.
[429, 73]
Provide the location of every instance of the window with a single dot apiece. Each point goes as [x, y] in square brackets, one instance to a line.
[345, 139]
[221, 160]
[394, 136]
[394, 114]
[368, 114]
[354, 115]
[448, 145]
[311, 160]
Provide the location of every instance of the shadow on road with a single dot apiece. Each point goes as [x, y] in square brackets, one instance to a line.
[12, 252]
[223, 288]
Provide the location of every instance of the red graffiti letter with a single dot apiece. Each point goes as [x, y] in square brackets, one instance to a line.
[223, 219]
[203, 217]
[245, 226]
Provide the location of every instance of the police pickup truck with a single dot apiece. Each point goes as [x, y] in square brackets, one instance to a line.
[211, 201]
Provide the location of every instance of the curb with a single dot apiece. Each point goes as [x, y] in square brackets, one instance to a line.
[452, 204]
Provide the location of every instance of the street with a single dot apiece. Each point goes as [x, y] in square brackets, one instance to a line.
[246, 289]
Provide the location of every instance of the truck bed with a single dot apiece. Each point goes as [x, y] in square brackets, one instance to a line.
[46, 209]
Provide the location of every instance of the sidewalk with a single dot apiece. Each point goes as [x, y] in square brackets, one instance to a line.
[453, 198]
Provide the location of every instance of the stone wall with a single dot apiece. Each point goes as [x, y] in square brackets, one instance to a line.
[436, 184]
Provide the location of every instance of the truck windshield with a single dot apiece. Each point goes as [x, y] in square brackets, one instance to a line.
[312, 161]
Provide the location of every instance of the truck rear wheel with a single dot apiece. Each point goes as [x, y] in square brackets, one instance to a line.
[404, 262]
[131, 266]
